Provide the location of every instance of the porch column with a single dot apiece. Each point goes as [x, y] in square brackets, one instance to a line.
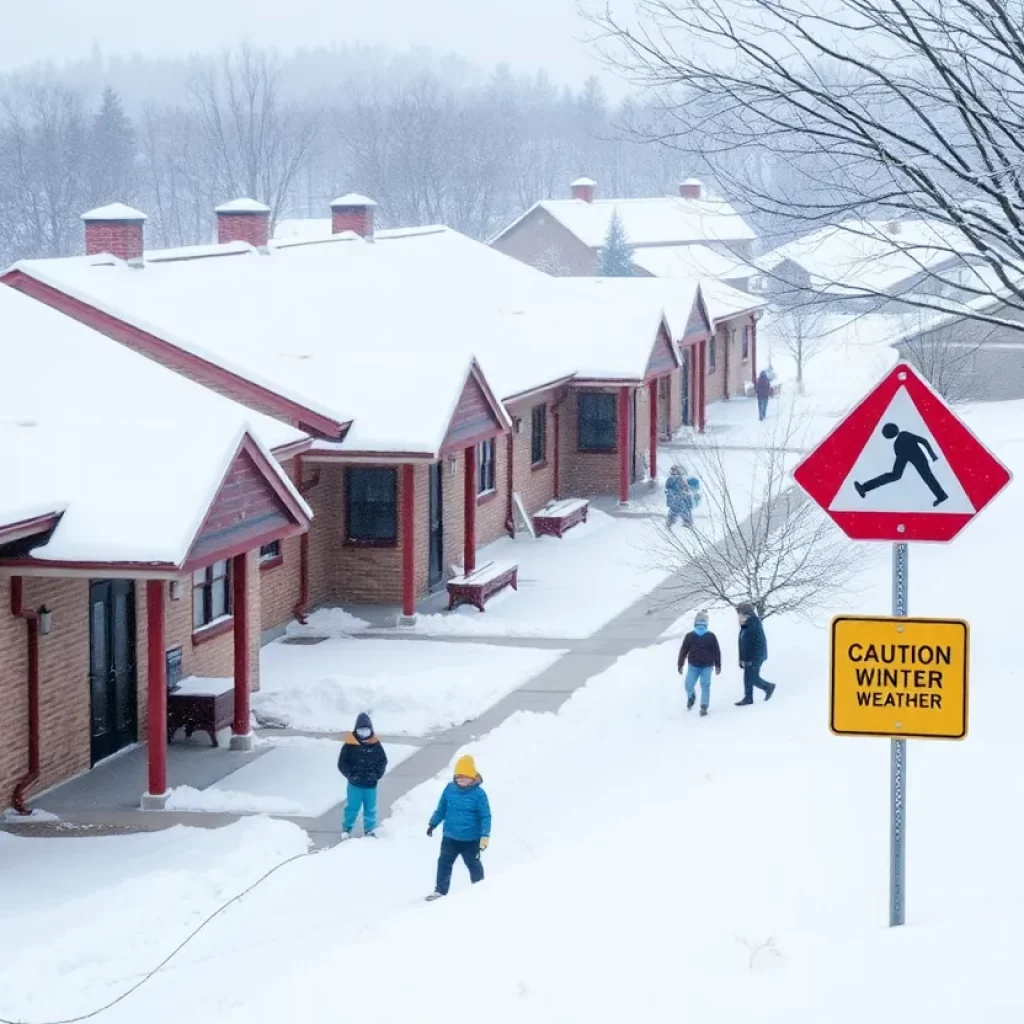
[694, 388]
[753, 349]
[469, 538]
[702, 384]
[241, 733]
[556, 412]
[652, 390]
[155, 797]
[408, 530]
[726, 346]
[623, 444]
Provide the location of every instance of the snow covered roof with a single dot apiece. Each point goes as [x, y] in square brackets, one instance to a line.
[243, 205]
[692, 261]
[583, 183]
[352, 199]
[870, 256]
[723, 301]
[667, 221]
[126, 448]
[114, 212]
[303, 227]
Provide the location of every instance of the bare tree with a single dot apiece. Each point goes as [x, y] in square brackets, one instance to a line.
[874, 110]
[552, 263]
[803, 331]
[758, 539]
[945, 353]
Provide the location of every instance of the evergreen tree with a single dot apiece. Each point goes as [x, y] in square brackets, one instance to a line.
[616, 256]
[112, 176]
[550, 262]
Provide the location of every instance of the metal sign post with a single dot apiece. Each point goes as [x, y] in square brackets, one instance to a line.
[898, 767]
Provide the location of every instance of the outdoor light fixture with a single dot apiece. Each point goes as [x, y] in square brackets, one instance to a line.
[45, 620]
[175, 590]
[452, 464]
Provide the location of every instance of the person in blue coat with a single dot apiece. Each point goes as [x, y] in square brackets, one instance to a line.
[466, 813]
[678, 498]
[753, 654]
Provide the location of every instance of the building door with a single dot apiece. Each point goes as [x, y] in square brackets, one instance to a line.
[112, 681]
[435, 572]
[636, 469]
[684, 382]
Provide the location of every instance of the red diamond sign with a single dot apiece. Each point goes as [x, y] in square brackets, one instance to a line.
[902, 466]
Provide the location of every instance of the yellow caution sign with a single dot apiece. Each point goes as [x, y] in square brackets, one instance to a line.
[899, 677]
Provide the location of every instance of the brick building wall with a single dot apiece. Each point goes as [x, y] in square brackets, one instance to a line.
[715, 371]
[642, 447]
[535, 484]
[13, 696]
[584, 473]
[675, 400]
[280, 585]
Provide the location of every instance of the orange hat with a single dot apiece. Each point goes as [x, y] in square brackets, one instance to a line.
[466, 767]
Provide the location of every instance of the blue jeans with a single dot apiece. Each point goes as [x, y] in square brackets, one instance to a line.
[701, 674]
[360, 799]
[451, 850]
[752, 678]
[762, 407]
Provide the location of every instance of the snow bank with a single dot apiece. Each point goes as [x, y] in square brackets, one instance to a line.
[328, 622]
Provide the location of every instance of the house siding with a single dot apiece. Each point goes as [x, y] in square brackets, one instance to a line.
[538, 234]
[584, 473]
[535, 484]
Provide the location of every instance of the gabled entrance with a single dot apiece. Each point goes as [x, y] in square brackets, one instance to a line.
[113, 693]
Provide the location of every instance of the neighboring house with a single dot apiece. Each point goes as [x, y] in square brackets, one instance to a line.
[137, 510]
[863, 264]
[692, 234]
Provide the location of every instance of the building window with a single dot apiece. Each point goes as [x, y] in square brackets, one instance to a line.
[539, 434]
[270, 552]
[485, 475]
[596, 422]
[211, 594]
[745, 351]
[712, 354]
[371, 507]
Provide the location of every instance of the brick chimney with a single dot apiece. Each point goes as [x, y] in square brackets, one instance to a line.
[115, 229]
[243, 220]
[583, 188]
[353, 212]
[692, 188]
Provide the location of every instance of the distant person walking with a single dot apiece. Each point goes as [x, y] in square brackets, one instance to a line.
[753, 654]
[466, 813]
[699, 654]
[909, 450]
[678, 498]
[363, 762]
[763, 390]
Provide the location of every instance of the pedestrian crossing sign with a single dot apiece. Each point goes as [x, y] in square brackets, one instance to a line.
[902, 466]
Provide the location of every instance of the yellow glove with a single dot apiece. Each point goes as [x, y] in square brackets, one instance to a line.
[484, 843]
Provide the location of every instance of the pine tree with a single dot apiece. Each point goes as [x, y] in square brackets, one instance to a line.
[616, 256]
[112, 177]
[550, 262]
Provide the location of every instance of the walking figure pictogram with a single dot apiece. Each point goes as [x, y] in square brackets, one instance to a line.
[909, 448]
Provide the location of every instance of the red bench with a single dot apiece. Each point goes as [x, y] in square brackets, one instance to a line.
[481, 584]
[554, 519]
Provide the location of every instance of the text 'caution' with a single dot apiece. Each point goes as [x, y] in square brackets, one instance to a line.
[899, 677]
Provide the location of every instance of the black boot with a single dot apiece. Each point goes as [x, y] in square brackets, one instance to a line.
[744, 702]
[703, 711]
[768, 693]
[689, 702]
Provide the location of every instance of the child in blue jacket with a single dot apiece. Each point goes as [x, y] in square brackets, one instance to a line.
[466, 813]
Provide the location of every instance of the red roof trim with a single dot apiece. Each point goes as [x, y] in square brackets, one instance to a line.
[11, 532]
[326, 455]
[155, 347]
[140, 569]
[284, 452]
[252, 544]
[522, 396]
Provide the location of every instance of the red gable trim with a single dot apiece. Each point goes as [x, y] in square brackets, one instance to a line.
[664, 355]
[284, 452]
[175, 358]
[699, 322]
[477, 417]
[28, 527]
[118, 570]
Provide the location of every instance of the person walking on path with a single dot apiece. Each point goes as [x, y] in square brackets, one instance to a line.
[753, 654]
[466, 813]
[678, 498]
[700, 653]
[363, 762]
[763, 390]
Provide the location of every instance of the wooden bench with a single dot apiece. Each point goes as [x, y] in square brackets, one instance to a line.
[554, 519]
[481, 584]
[201, 705]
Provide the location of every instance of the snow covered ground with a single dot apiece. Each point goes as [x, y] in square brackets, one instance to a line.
[408, 687]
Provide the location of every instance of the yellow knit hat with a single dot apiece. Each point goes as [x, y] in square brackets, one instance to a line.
[466, 766]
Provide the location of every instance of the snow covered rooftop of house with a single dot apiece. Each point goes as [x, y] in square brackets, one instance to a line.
[692, 261]
[352, 199]
[667, 221]
[128, 447]
[113, 212]
[302, 227]
[723, 301]
[870, 256]
[243, 205]
[583, 183]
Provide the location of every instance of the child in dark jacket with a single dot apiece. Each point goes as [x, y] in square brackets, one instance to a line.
[363, 762]
[700, 651]
[466, 813]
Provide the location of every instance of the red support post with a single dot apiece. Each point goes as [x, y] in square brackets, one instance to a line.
[702, 384]
[241, 731]
[753, 349]
[694, 387]
[652, 390]
[156, 682]
[623, 444]
[558, 447]
[408, 529]
[469, 535]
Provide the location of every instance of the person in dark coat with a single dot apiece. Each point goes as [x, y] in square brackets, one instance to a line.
[763, 390]
[700, 652]
[363, 762]
[753, 654]
[466, 813]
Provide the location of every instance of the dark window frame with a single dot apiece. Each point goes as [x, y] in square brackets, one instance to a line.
[712, 354]
[211, 583]
[745, 349]
[486, 468]
[585, 436]
[271, 555]
[539, 435]
[384, 531]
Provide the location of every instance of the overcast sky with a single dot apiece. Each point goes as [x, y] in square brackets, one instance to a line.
[526, 33]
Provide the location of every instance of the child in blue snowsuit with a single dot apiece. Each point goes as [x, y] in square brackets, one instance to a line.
[678, 498]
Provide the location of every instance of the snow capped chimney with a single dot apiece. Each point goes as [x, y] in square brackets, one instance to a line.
[243, 220]
[692, 188]
[116, 229]
[583, 188]
[353, 212]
